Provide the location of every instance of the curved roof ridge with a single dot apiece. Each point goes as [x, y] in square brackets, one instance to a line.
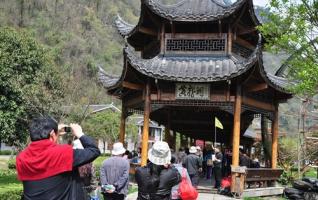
[124, 28]
[277, 82]
[190, 10]
[192, 68]
[108, 81]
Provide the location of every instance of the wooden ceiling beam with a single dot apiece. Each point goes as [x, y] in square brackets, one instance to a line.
[244, 43]
[257, 87]
[246, 31]
[147, 31]
[132, 86]
[130, 103]
[258, 104]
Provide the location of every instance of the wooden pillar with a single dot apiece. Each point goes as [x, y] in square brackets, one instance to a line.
[168, 137]
[174, 141]
[275, 138]
[236, 127]
[162, 38]
[236, 140]
[229, 41]
[145, 131]
[122, 130]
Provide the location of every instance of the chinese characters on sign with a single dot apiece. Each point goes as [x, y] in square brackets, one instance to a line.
[192, 91]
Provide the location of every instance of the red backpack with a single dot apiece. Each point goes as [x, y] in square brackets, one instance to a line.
[186, 190]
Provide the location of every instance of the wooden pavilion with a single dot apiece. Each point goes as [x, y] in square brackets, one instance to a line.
[187, 63]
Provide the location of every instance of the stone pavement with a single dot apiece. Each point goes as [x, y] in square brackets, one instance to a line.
[202, 196]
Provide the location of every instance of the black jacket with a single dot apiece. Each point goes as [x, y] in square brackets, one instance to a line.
[65, 186]
[155, 182]
[192, 163]
[244, 161]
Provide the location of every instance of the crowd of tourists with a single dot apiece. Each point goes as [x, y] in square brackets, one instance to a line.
[53, 171]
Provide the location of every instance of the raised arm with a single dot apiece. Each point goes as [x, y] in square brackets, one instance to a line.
[90, 151]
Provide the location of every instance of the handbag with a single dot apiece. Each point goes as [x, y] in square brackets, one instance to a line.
[186, 190]
[209, 162]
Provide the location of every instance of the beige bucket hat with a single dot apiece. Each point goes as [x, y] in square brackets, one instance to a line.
[160, 153]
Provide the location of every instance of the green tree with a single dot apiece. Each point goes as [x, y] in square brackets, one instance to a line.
[104, 126]
[28, 84]
[292, 28]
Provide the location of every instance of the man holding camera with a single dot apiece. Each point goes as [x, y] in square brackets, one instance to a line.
[49, 170]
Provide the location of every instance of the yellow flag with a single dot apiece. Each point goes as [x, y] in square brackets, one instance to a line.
[218, 123]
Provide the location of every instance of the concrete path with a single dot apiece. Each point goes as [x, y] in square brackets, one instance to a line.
[202, 196]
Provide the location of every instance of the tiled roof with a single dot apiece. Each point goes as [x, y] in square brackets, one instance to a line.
[194, 68]
[280, 83]
[194, 10]
[190, 68]
[124, 28]
[107, 80]
[186, 10]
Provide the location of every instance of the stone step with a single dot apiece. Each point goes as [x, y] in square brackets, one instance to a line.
[207, 190]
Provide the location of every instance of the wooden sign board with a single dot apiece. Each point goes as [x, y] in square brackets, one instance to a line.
[192, 91]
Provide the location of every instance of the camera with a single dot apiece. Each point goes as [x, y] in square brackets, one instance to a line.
[67, 129]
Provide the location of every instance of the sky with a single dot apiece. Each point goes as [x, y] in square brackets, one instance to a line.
[260, 2]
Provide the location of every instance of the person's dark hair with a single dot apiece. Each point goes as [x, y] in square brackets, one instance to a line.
[173, 159]
[155, 171]
[187, 150]
[41, 127]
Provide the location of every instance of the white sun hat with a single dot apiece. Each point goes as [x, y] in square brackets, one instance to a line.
[118, 149]
[193, 149]
[160, 153]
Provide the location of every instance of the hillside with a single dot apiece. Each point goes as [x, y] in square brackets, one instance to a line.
[80, 36]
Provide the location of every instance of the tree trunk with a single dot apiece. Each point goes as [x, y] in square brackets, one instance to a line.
[104, 147]
[265, 140]
[97, 5]
[55, 7]
[21, 23]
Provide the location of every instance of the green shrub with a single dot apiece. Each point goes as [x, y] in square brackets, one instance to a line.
[97, 165]
[6, 173]
[12, 192]
[10, 187]
[287, 178]
[11, 164]
[6, 152]
[105, 154]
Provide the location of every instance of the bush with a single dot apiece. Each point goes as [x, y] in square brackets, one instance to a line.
[7, 152]
[11, 164]
[106, 154]
[10, 187]
[97, 165]
[12, 192]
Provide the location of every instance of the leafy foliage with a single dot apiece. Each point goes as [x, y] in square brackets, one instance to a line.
[27, 85]
[10, 187]
[292, 28]
[103, 125]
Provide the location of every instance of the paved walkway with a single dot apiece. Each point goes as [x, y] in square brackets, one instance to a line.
[202, 196]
